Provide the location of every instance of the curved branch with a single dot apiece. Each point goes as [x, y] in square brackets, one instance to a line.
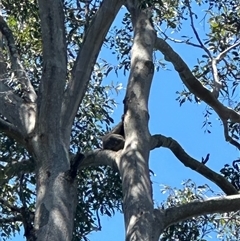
[224, 52]
[12, 131]
[197, 208]
[193, 84]
[188, 161]
[86, 59]
[27, 88]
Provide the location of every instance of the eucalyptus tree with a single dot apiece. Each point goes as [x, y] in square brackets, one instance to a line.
[49, 110]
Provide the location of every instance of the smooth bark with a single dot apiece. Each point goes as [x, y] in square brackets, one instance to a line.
[133, 162]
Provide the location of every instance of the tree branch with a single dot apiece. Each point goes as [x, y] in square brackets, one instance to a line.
[17, 218]
[97, 158]
[213, 205]
[86, 59]
[193, 84]
[191, 14]
[229, 138]
[53, 79]
[188, 161]
[216, 83]
[12, 131]
[223, 53]
[18, 113]
[27, 88]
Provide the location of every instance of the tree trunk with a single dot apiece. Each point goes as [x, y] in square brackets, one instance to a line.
[56, 190]
[133, 163]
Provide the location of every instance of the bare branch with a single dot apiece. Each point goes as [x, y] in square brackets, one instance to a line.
[53, 79]
[188, 161]
[27, 88]
[99, 158]
[195, 31]
[187, 41]
[86, 59]
[217, 84]
[223, 53]
[12, 131]
[213, 205]
[194, 86]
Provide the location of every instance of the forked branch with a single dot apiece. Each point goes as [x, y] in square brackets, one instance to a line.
[194, 86]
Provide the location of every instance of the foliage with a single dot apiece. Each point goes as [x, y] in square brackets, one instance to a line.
[99, 189]
[232, 173]
[17, 188]
[202, 228]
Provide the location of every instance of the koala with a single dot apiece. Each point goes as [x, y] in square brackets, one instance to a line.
[114, 140]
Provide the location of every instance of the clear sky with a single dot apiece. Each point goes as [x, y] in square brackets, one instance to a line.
[184, 124]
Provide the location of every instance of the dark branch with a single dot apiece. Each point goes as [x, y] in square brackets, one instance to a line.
[27, 88]
[75, 164]
[188, 161]
[17, 218]
[12, 131]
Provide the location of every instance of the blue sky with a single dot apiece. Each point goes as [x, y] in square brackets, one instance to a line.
[184, 124]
